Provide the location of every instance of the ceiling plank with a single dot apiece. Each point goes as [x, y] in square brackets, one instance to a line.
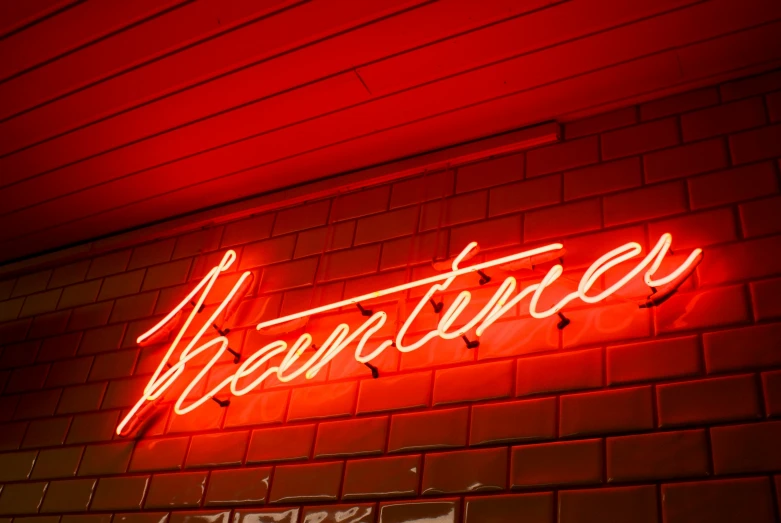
[135, 181]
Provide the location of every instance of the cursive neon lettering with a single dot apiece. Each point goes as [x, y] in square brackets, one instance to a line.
[503, 300]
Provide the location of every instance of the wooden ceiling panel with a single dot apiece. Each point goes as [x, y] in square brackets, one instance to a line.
[351, 95]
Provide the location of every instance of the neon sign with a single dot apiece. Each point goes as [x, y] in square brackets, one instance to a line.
[248, 374]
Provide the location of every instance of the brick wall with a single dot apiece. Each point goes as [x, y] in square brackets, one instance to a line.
[644, 415]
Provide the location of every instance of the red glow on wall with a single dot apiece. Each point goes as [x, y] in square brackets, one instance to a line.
[503, 299]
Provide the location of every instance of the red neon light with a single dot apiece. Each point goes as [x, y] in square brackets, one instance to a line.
[502, 301]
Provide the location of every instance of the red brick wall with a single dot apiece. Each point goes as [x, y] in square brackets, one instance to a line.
[628, 414]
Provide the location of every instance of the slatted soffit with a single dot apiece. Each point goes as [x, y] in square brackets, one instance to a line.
[118, 114]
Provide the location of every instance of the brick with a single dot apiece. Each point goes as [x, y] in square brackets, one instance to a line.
[429, 186]
[134, 307]
[280, 515]
[428, 430]
[635, 504]
[350, 263]
[686, 160]
[455, 210]
[752, 448]
[257, 409]
[121, 493]
[280, 444]
[606, 412]
[16, 466]
[763, 299]
[640, 138]
[351, 437]
[59, 347]
[102, 460]
[248, 230]
[289, 275]
[525, 195]
[751, 85]
[49, 324]
[476, 382]
[356, 512]
[465, 471]
[707, 401]
[108, 264]
[750, 259]
[11, 435]
[381, 477]
[114, 365]
[72, 495]
[773, 102]
[441, 511]
[746, 348]
[413, 250]
[267, 252]
[708, 308]
[313, 241]
[755, 145]
[90, 316]
[27, 378]
[740, 499]
[533, 508]
[498, 232]
[19, 354]
[723, 119]
[9, 310]
[561, 463]
[516, 337]
[679, 103]
[697, 229]
[36, 304]
[487, 173]
[387, 225]
[659, 456]
[562, 156]
[310, 482]
[237, 487]
[213, 450]
[559, 372]
[198, 242]
[394, 392]
[602, 178]
[37, 404]
[200, 515]
[31, 283]
[734, 185]
[562, 220]
[360, 203]
[322, 401]
[644, 204]
[758, 218]
[601, 122]
[80, 294]
[47, 432]
[653, 360]
[152, 254]
[123, 393]
[302, 217]
[526, 420]
[121, 285]
[21, 498]
[57, 463]
[159, 454]
[167, 274]
[69, 372]
[88, 428]
[178, 489]
[82, 398]
[6, 287]
[771, 385]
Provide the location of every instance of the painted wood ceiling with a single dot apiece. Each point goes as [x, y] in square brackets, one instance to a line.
[119, 114]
